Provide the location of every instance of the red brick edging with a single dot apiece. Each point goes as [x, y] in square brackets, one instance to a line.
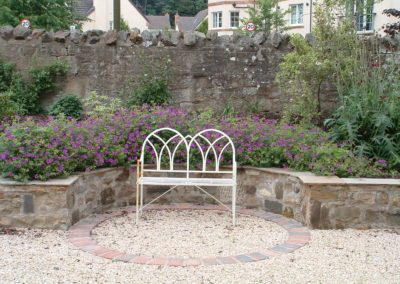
[81, 236]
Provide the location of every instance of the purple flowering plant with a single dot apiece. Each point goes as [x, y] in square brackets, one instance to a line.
[59, 146]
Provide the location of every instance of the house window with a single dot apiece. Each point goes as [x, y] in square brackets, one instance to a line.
[217, 20]
[364, 12]
[235, 19]
[296, 14]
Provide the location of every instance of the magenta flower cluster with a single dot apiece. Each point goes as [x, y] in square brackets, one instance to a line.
[59, 147]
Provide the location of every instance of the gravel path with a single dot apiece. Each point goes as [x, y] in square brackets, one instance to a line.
[185, 234]
[342, 256]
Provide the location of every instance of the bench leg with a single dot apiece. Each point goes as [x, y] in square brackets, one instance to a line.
[137, 204]
[234, 205]
[141, 199]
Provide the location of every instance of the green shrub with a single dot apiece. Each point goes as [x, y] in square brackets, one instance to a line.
[100, 106]
[8, 107]
[151, 85]
[69, 106]
[26, 93]
[369, 112]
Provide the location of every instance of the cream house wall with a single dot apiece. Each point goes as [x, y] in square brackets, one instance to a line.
[90, 25]
[381, 19]
[304, 28]
[102, 16]
[227, 6]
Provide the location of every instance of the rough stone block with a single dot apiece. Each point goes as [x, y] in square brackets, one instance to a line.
[6, 32]
[252, 202]
[346, 213]
[315, 213]
[278, 190]
[323, 195]
[273, 206]
[21, 32]
[250, 189]
[10, 206]
[28, 204]
[107, 196]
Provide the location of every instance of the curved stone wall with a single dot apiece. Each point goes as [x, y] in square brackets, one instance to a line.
[318, 202]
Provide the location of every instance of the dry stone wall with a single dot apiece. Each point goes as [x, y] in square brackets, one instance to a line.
[207, 71]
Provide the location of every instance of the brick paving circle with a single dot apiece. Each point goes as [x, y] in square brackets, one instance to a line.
[80, 235]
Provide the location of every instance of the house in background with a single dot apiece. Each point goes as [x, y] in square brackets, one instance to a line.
[100, 14]
[184, 24]
[224, 16]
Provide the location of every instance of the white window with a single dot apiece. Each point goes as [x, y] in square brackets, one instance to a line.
[364, 15]
[235, 19]
[217, 19]
[296, 14]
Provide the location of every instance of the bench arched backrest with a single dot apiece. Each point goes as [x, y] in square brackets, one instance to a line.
[216, 144]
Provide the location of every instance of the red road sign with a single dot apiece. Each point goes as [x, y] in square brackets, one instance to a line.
[251, 26]
[25, 23]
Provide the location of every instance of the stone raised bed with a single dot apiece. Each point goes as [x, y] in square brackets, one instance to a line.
[318, 202]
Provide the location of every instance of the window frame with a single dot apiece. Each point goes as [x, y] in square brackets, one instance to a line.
[367, 17]
[296, 6]
[217, 20]
[238, 19]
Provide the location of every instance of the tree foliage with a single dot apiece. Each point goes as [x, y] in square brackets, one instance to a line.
[182, 7]
[392, 29]
[46, 14]
[266, 15]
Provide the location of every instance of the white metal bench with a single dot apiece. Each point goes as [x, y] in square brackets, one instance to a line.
[165, 143]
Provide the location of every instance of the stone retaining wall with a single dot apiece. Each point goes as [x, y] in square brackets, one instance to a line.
[318, 202]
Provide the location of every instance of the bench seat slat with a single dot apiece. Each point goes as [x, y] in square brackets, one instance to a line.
[186, 181]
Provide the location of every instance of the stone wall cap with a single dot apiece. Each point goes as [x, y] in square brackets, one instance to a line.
[372, 181]
[281, 171]
[312, 180]
[63, 182]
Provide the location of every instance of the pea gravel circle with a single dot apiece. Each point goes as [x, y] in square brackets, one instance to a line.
[188, 235]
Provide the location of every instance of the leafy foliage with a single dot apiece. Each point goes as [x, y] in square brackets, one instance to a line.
[369, 112]
[392, 29]
[203, 28]
[8, 107]
[69, 106]
[266, 16]
[61, 146]
[46, 14]
[26, 93]
[305, 70]
[101, 106]
[151, 86]
[124, 25]
[182, 7]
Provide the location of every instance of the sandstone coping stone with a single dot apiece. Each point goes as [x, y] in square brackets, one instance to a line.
[135, 37]
[123, 35]
[75, 36]
[48, 37]
[147, 36]
[259, 38]
[111, 37]
[61, 36]
[212, 35]
[6, 32]
[21, 32]
[37, 33]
